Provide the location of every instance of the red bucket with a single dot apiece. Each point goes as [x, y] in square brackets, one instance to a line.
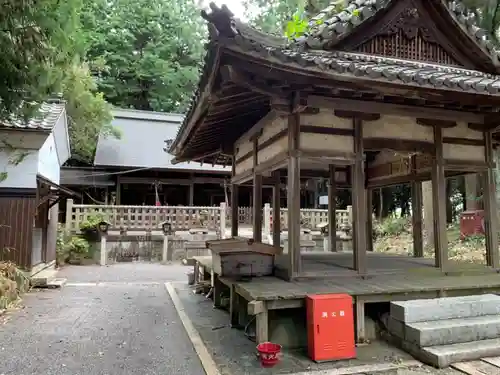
[269, 354]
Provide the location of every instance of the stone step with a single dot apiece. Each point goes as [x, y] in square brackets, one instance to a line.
[423, 310]
[43, 278]
[444, 355]
[453, 331]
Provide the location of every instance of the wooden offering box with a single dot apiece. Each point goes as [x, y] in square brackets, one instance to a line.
[242, 257]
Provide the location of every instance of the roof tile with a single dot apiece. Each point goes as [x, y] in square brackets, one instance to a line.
[45, 118]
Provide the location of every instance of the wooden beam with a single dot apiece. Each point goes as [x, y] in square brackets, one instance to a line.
[257, 128]
[293, 200]
[361, 115]
[359, 200]
[257, 198]
[276, 210]
[234, 206]
[435, 122]
[416, 209]
[439, 203]
[332, 210]
[230, 74]
[173, 181]
[369, 219]
[403, 145]
[490, 206]
[393, 109]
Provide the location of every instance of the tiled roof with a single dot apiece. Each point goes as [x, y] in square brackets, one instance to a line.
[333, 24]
[45, 118]
[377, 68]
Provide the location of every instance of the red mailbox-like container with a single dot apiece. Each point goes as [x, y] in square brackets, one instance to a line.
[330, 327]
[471, 223]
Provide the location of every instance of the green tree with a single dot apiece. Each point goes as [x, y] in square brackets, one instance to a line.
[88, 113]
[280, 17]
[35, 47]
[146, 53]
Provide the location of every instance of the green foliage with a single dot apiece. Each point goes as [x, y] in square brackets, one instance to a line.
[35, 46]
[392, 226]
[88, 113]
[70, 247]
[92, 222]
[146, 53]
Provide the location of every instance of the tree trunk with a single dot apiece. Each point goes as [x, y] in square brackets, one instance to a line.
[428, 214]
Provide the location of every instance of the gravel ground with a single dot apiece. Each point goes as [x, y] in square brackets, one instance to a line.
[114, 328]
[235, 354]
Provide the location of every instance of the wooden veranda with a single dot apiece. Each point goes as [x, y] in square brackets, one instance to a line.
[376, 94]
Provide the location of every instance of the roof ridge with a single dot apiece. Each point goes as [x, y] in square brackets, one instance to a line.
[332, 25]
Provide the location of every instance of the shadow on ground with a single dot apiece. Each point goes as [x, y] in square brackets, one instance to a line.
[235, 354]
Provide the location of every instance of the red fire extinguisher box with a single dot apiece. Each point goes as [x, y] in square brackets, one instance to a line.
[471, 223]
[330, 327]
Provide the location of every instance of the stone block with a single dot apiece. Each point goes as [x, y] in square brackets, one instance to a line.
[444, 355]
[445, 308]
[453, 331]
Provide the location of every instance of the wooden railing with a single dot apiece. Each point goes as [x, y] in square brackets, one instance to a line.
[185, 218]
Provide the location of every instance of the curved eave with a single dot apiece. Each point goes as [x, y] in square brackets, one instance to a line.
[200, 98]
[356, 67]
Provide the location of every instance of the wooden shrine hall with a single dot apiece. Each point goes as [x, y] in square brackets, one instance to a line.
[375, 94]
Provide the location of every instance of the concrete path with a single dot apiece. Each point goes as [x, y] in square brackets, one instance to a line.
[126, 325]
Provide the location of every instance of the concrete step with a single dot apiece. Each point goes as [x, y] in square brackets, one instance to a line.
[424, 310]
[43, 278]
[444, 355]
[453, 331]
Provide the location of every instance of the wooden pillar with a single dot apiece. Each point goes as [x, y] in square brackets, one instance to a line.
[332, 210]
[490, 206]
[439, 202]
[257, 198]
[416, 210]
[294, 268]
[359, 200]
[369, 220]
[191, 195]
[276, 211]
[234, 206]
[118, 200]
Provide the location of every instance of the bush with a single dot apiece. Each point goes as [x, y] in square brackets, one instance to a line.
[393, 226]
[70, 248]
[13, 282]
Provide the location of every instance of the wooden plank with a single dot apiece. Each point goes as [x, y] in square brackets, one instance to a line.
[276, 209]
[495, 361]
[476, 368]
[416, 208]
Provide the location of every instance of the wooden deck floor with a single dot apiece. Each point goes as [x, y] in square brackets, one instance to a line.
[391, 277]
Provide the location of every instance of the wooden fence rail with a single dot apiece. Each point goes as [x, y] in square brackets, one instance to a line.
[185, 218]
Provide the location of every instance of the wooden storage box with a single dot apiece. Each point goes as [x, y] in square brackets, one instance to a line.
[241, 257]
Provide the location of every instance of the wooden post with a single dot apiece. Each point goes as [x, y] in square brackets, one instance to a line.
[267, 221]
[439, 202]
[490, 206]
[294, 268]
[69, 215]
[369, 220]
[359, 200]
[166, 256]
[103, 255]
[234, 205]
[276, 211]
[416, 209]
[191, 195]
[332, 210]
[257, 198]
[118, 191]
[223, 212]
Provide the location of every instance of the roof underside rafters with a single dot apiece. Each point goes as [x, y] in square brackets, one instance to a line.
[225, 107]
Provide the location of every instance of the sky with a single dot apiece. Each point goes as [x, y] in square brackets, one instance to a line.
[235, 6]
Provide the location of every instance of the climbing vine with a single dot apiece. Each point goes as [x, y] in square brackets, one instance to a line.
[300, 23]
[15, 157]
